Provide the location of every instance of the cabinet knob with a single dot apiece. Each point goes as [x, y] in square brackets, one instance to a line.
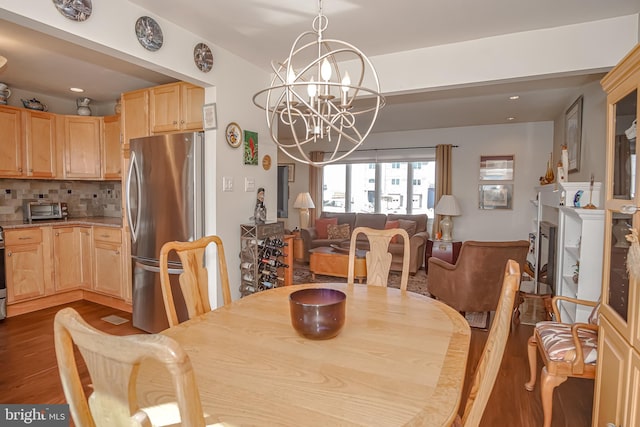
[57, 233]
[181, 122]
[30, 170]
[9, 253]
[175, 122]
[117, 252]
[19, 169]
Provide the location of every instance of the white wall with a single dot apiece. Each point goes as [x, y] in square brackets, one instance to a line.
[230, 84]
[593, 147]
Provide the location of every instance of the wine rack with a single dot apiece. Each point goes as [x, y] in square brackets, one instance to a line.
[262, 257]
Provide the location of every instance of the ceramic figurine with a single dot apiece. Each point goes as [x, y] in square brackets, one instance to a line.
[260, 211]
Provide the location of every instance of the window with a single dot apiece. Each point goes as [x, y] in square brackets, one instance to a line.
[334, 188]
[396, 187]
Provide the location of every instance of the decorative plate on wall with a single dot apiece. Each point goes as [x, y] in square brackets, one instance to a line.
[149, 33]
[266, 162]
[233, 134]
[203, 57]
[77, 10]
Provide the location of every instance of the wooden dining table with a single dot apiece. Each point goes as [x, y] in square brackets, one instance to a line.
[399, 360]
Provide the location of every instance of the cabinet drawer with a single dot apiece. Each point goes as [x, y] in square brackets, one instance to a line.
[21, 237]
[104, 234]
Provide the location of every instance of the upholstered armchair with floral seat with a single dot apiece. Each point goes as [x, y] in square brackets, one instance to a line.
[567, 350]
[473, 283]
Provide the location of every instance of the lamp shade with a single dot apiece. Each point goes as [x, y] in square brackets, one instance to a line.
[304, 201]
[448, 205]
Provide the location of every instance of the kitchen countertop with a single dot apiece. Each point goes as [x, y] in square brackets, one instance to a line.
[87, 221]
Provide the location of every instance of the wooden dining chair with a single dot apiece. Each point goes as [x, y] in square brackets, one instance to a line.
[491, 358]
[194, 278]
[567, 350]
[113, 363]
[378, 257]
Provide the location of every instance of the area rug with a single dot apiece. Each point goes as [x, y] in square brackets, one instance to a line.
[417, 283]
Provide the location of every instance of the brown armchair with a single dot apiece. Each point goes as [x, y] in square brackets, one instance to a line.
[473, 283]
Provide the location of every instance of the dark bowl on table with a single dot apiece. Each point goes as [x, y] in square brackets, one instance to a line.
[317, 313]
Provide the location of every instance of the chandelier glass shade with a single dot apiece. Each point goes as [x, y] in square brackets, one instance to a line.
[317, 101]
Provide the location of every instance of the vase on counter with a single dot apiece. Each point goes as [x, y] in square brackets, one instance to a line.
[83, 106]
[5, 93]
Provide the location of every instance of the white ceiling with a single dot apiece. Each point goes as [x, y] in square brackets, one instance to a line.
[262, 30]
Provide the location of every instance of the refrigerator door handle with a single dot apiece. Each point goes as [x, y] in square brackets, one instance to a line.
[133, 167]
[155, 269]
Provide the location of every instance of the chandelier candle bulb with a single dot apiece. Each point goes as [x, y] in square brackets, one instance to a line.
[311, 91]
[346, 82]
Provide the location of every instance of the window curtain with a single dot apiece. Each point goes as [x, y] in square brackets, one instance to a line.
[443, 179]
[315, 186]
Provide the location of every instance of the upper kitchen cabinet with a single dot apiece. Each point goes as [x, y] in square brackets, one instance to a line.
[111, 148]
[82, 147]
[11, 146]
[40, 144]
[134, 117]
[175, 107]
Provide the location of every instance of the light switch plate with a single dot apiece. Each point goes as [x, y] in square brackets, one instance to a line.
[249, 184]
[227, 183]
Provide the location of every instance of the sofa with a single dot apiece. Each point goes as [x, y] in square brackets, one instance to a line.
[333, 228]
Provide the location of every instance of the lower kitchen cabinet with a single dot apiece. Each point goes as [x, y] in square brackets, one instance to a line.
[51, 265]
[72, 257]
[108, 261]
[25, 264]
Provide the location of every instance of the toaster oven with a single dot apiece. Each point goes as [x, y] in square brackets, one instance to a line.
[34, 211]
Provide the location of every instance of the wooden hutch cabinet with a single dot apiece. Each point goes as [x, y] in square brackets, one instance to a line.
[617, 386]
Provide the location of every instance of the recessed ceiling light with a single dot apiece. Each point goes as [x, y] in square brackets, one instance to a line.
[76, 89]
[511, 118]
[513, 97]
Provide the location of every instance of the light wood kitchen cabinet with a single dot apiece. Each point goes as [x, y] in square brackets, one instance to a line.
[83, 147]
[72, 257]
[111, 151]
[134, 117]
[40, 144]
[108, 262]
[25, 264]
[175, 107]
[617, 385]
[11, 146]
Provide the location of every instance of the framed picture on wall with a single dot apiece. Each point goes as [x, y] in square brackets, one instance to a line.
[495, 196]
[496, 168]
[292, 171]
[573, 133]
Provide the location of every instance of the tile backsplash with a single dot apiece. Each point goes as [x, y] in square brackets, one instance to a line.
[84, 198]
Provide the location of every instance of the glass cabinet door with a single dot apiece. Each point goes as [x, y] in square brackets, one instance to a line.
[621, 207]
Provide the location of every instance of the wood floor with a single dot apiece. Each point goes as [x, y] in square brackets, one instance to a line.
[29, 371]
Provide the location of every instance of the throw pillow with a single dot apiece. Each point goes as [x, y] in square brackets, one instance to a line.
[321, 226]
[338, 231]
[392, 224]
[407, 225]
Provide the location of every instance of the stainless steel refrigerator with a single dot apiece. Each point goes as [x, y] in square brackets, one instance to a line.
[164, 202]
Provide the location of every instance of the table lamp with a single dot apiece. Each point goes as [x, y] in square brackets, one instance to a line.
[304, 203]
[448, 207]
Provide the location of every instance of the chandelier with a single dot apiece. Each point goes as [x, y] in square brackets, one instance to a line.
[312, 105]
